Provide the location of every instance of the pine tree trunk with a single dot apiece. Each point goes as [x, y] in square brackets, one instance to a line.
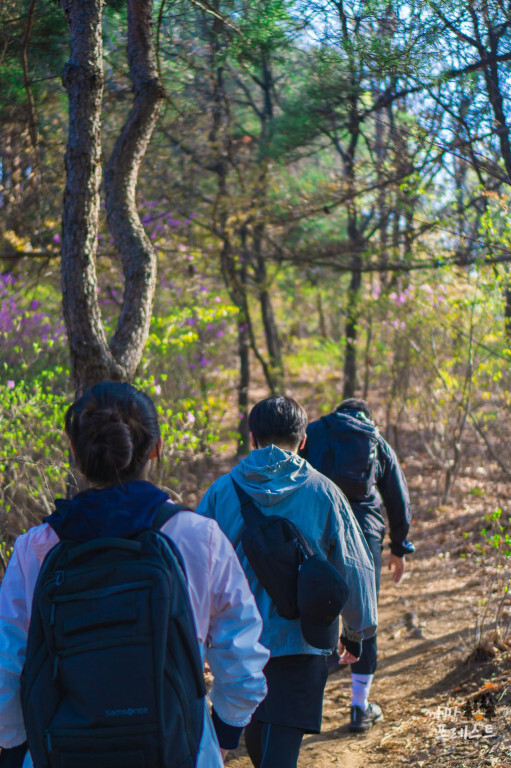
[91, 359]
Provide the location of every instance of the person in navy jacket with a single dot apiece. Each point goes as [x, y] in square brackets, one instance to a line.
[389, 490]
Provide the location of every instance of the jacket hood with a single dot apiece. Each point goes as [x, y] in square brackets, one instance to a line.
[270, 474]
[357, 421]
[117, 511]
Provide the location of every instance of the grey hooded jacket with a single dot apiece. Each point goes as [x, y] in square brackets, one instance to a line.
[282, 483]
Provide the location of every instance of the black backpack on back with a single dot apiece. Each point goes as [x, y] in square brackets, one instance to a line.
[113, 674]
[275, 548]
[351, 456]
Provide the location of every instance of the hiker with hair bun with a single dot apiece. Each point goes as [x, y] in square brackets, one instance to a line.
[347, 447]
[110, 607]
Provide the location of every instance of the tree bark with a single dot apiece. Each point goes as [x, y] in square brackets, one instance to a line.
[496, 99]
[137, 254]
[259, 201]
[243, 387]
[32, 120]
[91, 359]
[271, 334]
[244, 380]
[351, 331]
[507, 311]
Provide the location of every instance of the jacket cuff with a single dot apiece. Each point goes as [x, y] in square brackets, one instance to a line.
[228, 735]
[402, 548]
[351, 634]
[352, 646]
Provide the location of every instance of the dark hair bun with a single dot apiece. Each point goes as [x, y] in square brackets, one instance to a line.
[106, 445]
[113, 427]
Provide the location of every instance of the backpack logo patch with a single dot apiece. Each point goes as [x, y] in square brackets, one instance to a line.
[126, 712]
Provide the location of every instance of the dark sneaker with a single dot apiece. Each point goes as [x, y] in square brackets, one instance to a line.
[363, 719]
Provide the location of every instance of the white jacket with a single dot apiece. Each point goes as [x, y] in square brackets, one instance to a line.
[227, 620]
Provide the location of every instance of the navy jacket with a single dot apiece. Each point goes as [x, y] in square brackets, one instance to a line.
[390, 489]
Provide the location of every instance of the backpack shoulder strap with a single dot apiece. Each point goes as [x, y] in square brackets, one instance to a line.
[251, 514]
[165, 512]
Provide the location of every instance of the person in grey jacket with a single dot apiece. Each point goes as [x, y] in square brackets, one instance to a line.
[281, 483]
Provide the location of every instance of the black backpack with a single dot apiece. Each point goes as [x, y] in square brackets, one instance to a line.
[275, 548]
[113, 674]
[351, 458]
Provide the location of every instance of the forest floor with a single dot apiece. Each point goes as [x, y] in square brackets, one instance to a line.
[444, 686]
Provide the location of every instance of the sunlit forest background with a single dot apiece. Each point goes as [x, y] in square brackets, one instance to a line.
[327, 194]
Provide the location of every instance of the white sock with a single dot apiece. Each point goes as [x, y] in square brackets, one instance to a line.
[360, 687]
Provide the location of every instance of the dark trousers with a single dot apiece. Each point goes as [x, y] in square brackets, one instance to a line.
[293, 706]
[367, 663]
[273, 746]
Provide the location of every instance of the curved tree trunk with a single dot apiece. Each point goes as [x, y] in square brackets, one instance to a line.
[92, 358]
[137, 254]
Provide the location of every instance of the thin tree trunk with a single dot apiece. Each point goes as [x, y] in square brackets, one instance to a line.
[268, 317]
[507, 309]
[243, 387]
[491, 74]
[235, 282]
[32, 120]
[367, 356]
[353, 307]
[323, 332]
[350, 359]
[244, 380]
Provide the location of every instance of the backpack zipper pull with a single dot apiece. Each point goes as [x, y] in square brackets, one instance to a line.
[48, 741]
[59, 577]
[302, 551]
